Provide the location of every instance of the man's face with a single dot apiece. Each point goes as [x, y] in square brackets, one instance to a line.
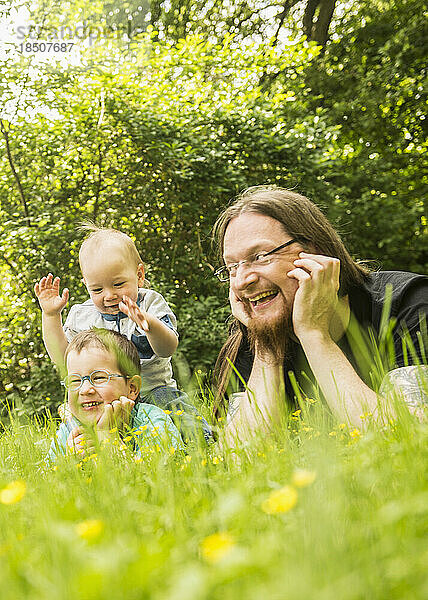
[87, 403]
[265, 290]
[109, 276]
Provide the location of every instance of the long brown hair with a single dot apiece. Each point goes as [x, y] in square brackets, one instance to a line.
[301, 219]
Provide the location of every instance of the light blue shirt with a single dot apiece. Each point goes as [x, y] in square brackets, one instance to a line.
[149, 426]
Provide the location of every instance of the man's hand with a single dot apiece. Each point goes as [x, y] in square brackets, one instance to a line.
[47, 292]
[316, 297]
[238, 308]
[117, 414]
[134, 312]
[80, 442]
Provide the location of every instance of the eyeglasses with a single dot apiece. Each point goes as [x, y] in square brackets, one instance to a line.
[258, 260]
[98, 378]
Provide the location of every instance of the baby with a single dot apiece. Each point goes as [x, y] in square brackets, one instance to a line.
[103, 385]
[113, 273]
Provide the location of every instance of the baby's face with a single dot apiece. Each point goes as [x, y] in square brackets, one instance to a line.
[87, 403]
[110, 276]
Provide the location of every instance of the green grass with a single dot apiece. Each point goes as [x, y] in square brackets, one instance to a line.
[358, 531]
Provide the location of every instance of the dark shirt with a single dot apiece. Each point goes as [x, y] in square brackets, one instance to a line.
[387, 330]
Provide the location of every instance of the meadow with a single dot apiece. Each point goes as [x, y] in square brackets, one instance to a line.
[315, 510]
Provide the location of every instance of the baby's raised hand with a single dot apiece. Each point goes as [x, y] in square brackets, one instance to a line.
[134, 312]
[47, 292]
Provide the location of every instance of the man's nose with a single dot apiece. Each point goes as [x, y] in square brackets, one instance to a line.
[245, 275]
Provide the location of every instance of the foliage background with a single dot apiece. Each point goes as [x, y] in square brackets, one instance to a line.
[153, 131]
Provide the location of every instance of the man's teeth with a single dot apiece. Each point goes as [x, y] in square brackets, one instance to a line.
[257, 299]
[90, 404]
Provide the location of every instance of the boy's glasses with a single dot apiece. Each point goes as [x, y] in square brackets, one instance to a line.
[258, 260]
[74, 382]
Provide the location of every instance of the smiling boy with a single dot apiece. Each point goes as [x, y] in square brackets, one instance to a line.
[103, 386]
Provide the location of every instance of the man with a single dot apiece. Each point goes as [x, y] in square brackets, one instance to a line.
[301, 304]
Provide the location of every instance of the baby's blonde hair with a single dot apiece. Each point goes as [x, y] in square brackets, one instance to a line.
[96, 236]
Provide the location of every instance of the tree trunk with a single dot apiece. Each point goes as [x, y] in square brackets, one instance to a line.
[316, 30]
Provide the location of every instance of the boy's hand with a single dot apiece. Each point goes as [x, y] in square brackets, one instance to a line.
[64, 412]
[47, 292]
[116, 414]
[79, 442]
[134, 312]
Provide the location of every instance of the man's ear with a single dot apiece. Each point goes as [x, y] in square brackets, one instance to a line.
[140, 275]
[134, 387]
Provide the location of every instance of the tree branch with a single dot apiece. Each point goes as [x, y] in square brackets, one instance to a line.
[9, 264]
[287, 6]
[15, 174]
[98, 187]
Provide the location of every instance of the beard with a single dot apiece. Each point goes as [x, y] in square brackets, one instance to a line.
[270, 337]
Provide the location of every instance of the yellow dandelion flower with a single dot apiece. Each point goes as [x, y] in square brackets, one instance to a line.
[13, 492]
[355, 433]
[167, 412]
[79, 465]
[154, 432]
[113, 430]
[188, 458]
[302, 478]
[310, 400]
[215, 547]
[90, 530]
[199, 418]
[204, 462]
[280, 501]
[342, 426]
[172, 450]
[128, 438]
[332, 433]
[297, 412]
[55, 468]
[138, 459]
[179, 412]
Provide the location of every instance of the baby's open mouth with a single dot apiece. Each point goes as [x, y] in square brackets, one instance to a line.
[263, 298]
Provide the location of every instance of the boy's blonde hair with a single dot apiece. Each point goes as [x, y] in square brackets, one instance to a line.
[99, 235]
[126, 354]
